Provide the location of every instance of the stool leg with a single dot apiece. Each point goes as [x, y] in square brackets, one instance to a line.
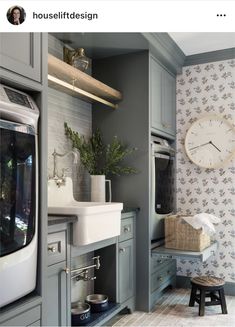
[223, 301]
[202, 303]
[193, 296]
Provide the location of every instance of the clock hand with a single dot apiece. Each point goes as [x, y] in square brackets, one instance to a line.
[198, 146]
[214, 146]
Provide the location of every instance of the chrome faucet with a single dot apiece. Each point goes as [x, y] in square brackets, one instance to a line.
[82, 273]
[60, 180]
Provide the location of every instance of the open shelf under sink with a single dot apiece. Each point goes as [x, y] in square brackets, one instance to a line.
[98, 317]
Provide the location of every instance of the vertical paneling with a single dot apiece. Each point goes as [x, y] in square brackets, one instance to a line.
[77, 113]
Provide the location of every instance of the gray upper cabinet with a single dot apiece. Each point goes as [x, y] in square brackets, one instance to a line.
[162, 99]
[21, 53]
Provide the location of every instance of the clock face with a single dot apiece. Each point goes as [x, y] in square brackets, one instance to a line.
[210, 142]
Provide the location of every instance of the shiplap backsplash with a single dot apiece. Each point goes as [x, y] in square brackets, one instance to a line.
[77, 113]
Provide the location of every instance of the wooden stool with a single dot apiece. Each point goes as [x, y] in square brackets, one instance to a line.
[207, 286]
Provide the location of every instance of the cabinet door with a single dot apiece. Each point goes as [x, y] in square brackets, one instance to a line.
[162, 99]
[21, 54]
[58, 306]
[126, 270]
[169, 103]
[156, 72]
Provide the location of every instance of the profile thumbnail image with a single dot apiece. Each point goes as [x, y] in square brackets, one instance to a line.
[16, 15]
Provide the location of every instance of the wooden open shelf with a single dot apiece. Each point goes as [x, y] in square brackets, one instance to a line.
[68, 79]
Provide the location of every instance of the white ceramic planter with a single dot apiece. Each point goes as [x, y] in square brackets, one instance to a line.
[98, 193]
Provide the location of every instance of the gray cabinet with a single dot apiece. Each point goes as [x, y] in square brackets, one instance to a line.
[30, 317]
[126, 259]
[126, 271]
[162, 99]
[58, 277]
[163, 274]
[20, 53]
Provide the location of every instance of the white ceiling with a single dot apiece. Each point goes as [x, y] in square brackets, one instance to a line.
[194, 43]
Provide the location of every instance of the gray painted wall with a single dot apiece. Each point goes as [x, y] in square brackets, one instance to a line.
[130, 122]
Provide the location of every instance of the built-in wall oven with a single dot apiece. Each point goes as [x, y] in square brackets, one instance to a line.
[18, 194]
[162, 186]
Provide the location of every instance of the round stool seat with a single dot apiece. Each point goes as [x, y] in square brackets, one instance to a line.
[208, 281]
[207, 287]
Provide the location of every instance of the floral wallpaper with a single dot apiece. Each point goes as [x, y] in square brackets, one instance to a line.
[207, 89]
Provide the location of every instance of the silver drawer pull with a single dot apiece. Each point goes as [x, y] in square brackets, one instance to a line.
[127, 229]
[160, 261]
[122, 250]
[160, 278]
[51, 249]
[166, 125]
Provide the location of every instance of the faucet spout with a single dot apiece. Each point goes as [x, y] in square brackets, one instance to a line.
[55, 170]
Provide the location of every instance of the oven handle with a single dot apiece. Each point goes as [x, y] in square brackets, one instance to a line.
[22, 128]
[162, 156]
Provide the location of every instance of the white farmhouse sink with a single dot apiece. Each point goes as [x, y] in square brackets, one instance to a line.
[96, 220]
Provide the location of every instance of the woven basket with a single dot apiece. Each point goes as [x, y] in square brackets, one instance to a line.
[182, 236]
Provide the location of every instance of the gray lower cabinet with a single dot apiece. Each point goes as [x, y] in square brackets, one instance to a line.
[126, 270]
[30, 317]
[162, 99]
[20, 53]
[58, 278]
[126, 259]
[163, 274]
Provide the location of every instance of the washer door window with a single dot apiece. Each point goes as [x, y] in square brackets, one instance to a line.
[17, 186]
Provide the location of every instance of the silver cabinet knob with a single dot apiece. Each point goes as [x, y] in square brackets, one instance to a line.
[166, 125]
[66, 270]
[51, 249]
[122, 250]
[127, 229]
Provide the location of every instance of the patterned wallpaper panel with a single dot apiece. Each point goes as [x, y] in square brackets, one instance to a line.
[201, 90]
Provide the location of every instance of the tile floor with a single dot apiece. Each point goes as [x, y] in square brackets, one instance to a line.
[173, 310]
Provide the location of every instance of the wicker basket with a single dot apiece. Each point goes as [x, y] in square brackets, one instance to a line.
[182, 236]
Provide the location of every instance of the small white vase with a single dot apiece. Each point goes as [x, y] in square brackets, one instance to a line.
[98, 188]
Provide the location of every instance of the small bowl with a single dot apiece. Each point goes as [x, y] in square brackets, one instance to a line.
[80, 313]
[98, 302]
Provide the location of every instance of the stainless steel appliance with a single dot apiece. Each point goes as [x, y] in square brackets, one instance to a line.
[162, 186]
[18, 194]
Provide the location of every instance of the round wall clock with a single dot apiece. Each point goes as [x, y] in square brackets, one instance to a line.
[210, 142]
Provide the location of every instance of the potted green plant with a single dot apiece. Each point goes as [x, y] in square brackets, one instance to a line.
[100, 160]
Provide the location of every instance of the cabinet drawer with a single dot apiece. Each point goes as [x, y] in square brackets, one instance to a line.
[56, 247]
[161, 276]
[27, 318]
[157, 264]
[127, 229]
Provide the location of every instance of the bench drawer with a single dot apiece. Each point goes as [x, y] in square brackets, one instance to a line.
[158, 263]
[161, 276]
